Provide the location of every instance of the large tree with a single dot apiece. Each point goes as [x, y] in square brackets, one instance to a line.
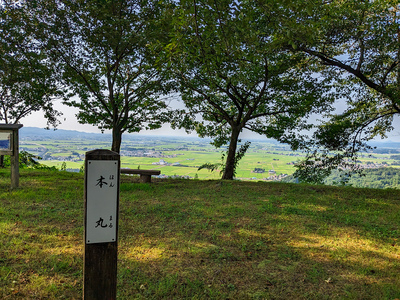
[27, 81]
[103, 50]
[232, 71]
[358, 44]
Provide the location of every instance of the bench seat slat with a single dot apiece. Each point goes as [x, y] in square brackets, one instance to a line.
[138, 171]
[145, 175]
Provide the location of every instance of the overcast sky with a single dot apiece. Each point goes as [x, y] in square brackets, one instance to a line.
[69, 122]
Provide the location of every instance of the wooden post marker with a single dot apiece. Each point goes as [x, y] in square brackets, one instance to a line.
[102, 169]
[9, 145]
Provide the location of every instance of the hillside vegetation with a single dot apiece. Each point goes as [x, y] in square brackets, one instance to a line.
[380, 178]
[204, 239]
[375, 178]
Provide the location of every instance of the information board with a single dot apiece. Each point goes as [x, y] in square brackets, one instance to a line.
[6, 143]
[102, 195]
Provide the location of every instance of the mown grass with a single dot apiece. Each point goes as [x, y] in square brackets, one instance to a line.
[192, 239]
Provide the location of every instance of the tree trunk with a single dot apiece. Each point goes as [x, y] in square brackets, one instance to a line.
[116, 139]
[1, 161]
[230, 166]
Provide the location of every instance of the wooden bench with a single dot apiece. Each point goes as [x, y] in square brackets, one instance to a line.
[145, 175]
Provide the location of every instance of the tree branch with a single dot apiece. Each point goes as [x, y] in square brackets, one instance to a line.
[357, 73]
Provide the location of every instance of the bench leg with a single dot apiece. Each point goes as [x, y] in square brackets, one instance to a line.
[145, 178]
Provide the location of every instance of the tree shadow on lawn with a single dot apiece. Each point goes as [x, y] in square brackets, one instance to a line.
[41, 228]
[279, 241]
[210, 239]
[37, 263]
[159, 268]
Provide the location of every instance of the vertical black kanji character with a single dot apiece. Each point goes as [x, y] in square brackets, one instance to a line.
[101, 182]
[100, 223]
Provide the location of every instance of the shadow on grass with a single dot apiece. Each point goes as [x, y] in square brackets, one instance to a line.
[41, 229]
[39, 262]
[241, 240]
[183, 239]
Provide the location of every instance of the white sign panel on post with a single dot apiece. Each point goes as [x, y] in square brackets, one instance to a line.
[102, 194]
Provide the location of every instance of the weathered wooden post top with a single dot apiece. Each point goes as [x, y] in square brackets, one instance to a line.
[9, 145]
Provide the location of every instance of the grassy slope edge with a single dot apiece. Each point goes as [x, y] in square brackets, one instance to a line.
[191, 239]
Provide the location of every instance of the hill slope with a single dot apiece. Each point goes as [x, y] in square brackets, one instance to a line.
[205, 239]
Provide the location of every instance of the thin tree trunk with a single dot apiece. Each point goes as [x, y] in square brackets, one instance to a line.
[230, 166]
[1, 161]
[398, 50]
[116, 139]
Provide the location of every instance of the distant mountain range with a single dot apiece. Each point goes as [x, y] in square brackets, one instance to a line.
[385, 144]
[62, 134]
[34, 132]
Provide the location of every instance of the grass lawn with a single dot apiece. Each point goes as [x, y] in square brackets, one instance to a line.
[192, 239]
[69, 164]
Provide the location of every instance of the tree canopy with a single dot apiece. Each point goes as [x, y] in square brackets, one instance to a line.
[357, 43]
[27, 80]
[264, 66]
[233, 71]
[102, 49]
